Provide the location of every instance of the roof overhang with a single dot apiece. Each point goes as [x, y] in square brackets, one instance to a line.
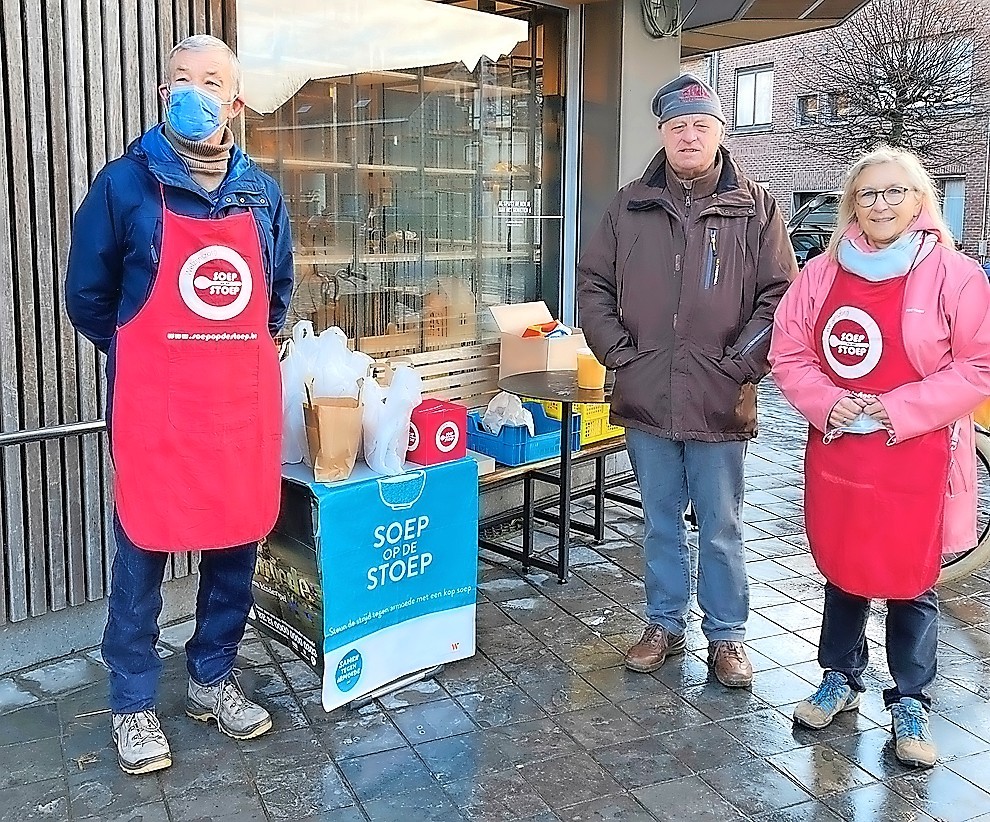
[709, 25]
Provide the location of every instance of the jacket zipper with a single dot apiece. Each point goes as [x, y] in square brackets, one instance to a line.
[749, 346]
[711, 266]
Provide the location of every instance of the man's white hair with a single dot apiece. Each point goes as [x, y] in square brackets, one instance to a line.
[206, 42]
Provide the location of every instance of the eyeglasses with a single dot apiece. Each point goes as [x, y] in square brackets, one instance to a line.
[866, 197]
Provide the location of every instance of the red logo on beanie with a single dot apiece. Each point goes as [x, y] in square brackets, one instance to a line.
[695, 92]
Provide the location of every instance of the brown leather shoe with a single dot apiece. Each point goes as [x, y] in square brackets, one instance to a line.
[731, 665]
[653, 649]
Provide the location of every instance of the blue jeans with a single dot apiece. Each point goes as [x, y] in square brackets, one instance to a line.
[912, 642]
[710, 474]
[135, 604]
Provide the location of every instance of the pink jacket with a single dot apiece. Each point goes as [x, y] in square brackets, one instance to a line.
[947, 335]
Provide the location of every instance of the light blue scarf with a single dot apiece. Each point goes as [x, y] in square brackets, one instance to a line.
[887, 263]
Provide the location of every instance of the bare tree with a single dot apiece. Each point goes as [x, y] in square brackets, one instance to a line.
[913, 74]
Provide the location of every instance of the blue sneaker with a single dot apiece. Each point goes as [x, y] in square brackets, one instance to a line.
[913, 742]
[832, 698]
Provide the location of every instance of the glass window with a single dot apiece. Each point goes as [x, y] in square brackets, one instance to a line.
[953, 204]
[754, 97]
[412, 166]
[807, 110]
[838, 106]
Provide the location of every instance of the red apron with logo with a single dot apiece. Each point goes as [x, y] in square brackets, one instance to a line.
[197, 405]
[873, 511]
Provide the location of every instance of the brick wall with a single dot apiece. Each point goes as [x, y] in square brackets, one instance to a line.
[775, 156]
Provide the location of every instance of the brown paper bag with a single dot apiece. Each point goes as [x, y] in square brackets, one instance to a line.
[333, 431]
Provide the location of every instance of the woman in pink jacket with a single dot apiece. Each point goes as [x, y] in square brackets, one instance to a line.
[883, 344]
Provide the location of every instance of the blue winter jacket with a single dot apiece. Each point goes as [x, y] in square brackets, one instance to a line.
[117, 233]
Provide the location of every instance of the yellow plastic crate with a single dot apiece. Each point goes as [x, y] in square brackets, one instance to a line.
[594, 420]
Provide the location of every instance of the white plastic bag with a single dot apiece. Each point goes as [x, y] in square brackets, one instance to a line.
[336, 370]
[386, 418]
[327, 366]
[506, 409]
[295, 368]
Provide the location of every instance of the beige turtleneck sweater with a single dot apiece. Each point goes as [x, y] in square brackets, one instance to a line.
[207, 163]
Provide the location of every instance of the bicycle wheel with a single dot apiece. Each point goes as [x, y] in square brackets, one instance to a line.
[956, 566]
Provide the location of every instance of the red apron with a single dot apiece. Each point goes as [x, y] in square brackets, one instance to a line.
[196, 417]
[873, 512]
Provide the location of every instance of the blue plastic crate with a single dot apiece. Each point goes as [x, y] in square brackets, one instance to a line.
[514, 445]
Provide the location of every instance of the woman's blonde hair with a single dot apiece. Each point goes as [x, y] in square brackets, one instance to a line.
[917, 178]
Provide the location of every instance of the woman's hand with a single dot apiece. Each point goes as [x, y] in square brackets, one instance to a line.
[845, 411]
[876, 410]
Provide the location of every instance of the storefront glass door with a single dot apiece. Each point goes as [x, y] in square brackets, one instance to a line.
[419, 148]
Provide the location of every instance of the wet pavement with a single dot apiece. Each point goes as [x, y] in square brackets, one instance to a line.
[543, 724]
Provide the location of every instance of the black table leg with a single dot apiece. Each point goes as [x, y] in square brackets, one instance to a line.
[528, 522]
[564, 526]
[600, 499]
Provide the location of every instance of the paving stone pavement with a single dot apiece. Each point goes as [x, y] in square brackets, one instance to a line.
[543, 724]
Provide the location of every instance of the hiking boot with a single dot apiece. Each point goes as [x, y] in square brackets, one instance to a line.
[832, 698]
[141, 745]
[652, 650]
[236, 715]
[731, 665]
[913, 742]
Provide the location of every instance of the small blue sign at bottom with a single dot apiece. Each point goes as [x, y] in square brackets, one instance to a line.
[349, 670]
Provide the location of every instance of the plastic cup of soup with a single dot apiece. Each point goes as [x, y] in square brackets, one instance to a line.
[590, 372]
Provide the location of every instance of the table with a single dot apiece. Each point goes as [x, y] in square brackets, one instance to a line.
[562, 387]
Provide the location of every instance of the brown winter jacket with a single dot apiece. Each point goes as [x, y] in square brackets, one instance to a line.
[683, 312]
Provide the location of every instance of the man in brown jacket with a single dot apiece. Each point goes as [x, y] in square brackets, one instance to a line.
[677, 291]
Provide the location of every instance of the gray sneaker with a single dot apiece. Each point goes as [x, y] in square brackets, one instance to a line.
[832, 698]
[913, 743]
[236, 715]
[141, 745]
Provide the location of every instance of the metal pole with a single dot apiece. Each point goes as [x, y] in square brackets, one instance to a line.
[986, 198]
[54, 432]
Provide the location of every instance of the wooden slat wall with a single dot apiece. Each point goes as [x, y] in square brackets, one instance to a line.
[79, 83]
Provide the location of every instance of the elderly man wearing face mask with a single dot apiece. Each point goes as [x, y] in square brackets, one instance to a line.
[677, 291]
[180, 270]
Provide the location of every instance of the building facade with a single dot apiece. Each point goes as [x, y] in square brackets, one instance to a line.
[766, 105]
[437, 157]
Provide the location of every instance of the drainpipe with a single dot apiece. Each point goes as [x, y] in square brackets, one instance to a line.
[986, 197]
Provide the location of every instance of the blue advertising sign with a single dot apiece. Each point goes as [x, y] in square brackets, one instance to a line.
[397, 564]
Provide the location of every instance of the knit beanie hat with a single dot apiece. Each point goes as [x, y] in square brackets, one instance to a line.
[686, 95]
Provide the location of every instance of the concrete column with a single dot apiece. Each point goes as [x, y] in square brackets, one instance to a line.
[621, 67]
[646, 65]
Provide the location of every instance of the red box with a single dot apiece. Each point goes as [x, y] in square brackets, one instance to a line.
[437, 432]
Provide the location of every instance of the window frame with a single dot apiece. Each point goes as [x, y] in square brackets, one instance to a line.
[801, 118]
[755, 72]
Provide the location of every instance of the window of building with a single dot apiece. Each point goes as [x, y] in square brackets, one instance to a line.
[754, 97]
[838, 106]
[413, 172]
[959, 62]
[807, 110]
[953, 192]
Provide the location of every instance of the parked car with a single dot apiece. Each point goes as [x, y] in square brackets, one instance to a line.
[812, 225]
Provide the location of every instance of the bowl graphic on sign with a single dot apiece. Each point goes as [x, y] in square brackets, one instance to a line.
[403, 491]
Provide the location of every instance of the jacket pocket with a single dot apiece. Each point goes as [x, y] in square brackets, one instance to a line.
[638, 393]
[716, 402]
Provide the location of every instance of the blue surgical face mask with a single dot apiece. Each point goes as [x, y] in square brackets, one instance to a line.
[192, 112]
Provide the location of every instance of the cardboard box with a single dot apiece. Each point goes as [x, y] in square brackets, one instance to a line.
[372, 578]
[520, 354]
[437, 432]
